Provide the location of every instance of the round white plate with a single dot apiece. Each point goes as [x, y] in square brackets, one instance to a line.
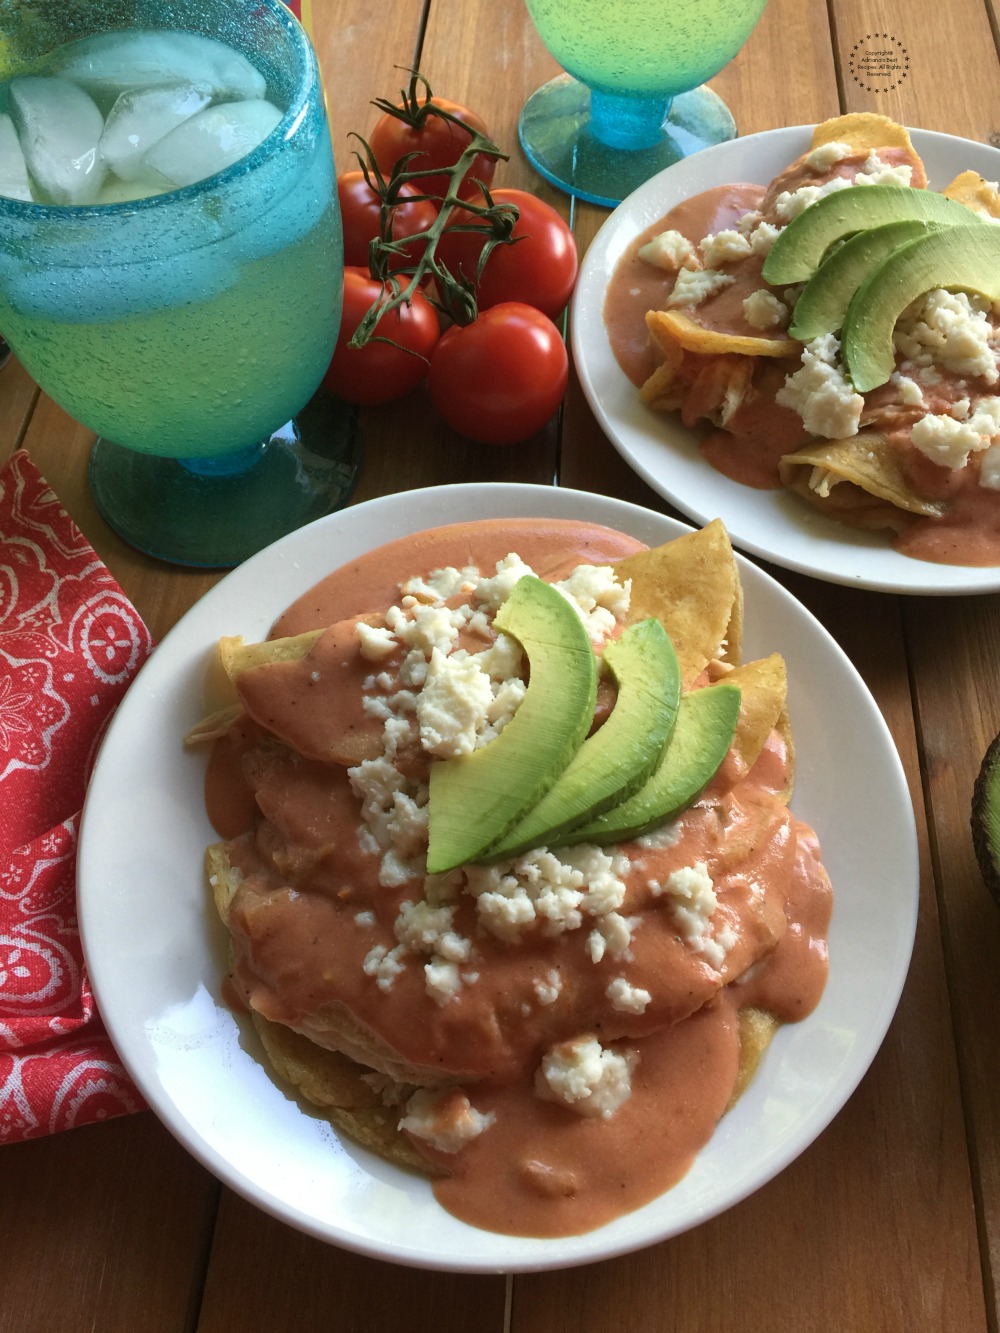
[156, 950]
[772, 524]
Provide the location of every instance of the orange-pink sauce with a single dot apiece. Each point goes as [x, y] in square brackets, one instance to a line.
[541, 1169]
[760, 432]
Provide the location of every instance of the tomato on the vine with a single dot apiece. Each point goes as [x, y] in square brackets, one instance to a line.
[380, 372]
[538, 267]
[437, 143]
[360, 213]
[500, 378]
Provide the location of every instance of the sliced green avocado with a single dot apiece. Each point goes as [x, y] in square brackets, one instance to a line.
[476, 797]
[964, 258]
[620, 755]
[986, 819]
[800, 247]
[704, 731]
[823, 301]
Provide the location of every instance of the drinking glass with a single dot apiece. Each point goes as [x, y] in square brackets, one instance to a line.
[630, 102]
[191, 329]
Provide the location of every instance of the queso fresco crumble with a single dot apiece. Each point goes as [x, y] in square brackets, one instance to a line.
[453, 687]
[942, 332]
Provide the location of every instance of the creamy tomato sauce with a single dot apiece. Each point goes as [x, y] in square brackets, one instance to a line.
[759, 432]
[311, 907]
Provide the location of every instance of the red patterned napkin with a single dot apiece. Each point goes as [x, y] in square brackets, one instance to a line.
[70, 643]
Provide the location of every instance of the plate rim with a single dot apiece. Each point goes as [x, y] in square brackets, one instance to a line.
[593, 358]
[564, 1251]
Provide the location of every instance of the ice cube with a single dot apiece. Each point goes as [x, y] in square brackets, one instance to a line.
[111, 62]
[141, 118]
[13, 173]
[59, 128]
[211, 141]
[115, 191]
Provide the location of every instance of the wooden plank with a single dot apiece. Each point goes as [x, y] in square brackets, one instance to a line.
[264, 1275]
[954, 646]
[867, 1252]
[106, 1227]
[18, 394]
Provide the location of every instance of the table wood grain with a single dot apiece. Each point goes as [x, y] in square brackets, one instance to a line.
[891, 1219]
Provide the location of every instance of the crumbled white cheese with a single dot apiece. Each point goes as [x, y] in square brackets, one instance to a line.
[910, 392]
[693, 904]
[989, 468]
[627, 998]
[394, 814]
[763, 310]
[612, 935]
[876, 172]
[591, 1079]
[364, 919]
[827, 154]
[670, 250]
[541, 888]
[447, 1120]
[424, 928]
[599, 599]
[440, 584]
[695, 285]
[442, 980]
[548, 988]
[948, 442]
[384, 965]
[722, 247]
[491, 592]
[790, 203]
[763, 237]
[820, 393]
[951, 330]
[424, 627]
[453, 704]
[377, 642]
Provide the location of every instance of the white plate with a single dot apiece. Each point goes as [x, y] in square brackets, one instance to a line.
[156, 950]
[772, 524]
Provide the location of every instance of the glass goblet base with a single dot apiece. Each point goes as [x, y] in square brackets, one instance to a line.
[215, 512]
[565, 143]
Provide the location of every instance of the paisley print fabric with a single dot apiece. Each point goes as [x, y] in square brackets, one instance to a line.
[70, 644]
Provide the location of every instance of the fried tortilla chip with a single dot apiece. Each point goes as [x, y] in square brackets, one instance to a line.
[343, 1091]
[763, 688]
[869, 463]
[237, 655]
[970, 189]
[674, 328]
[691, 585]
[757, 1028]
[863, 130]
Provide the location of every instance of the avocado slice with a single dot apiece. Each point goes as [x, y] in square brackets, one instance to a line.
[823, 301]
[475, 798]
[620, 755]
[986, 819]
[800, 247]
[703, 733]
[965, 258]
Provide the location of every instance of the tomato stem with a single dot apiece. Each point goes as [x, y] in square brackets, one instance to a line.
[455, 292]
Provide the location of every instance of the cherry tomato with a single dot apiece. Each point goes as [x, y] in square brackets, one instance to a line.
[379, 372]
[359, 210]
[438, 144]
[540, 268]
[500, 378]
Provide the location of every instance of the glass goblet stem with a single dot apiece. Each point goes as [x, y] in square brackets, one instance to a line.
[629, 122]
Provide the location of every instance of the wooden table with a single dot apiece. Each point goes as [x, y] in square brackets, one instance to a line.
[891, 1220]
